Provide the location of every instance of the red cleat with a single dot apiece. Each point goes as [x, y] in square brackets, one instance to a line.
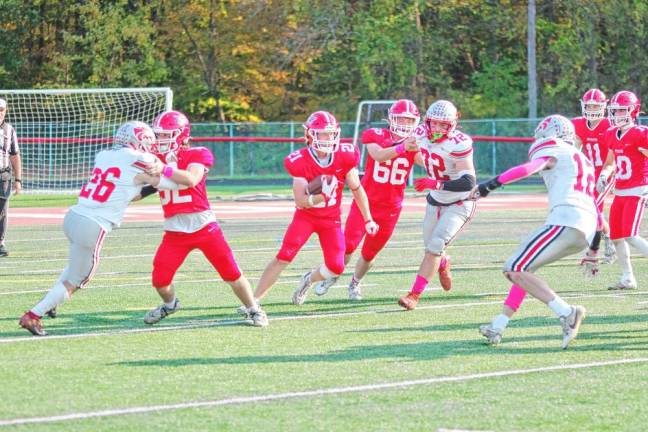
[409, 301]
[31, 322]
[445, 277]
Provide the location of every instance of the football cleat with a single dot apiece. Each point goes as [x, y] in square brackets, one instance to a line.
[492, 334]
[258, 317]
[31, 322]
[3, 252]
[299, 295]
[445, 277]
[409, 301]
[322, 287]
[52, 313]
[354, 290]
[571, 323]
[624, 284]
[156, 315]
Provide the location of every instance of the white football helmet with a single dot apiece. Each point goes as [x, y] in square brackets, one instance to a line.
[556, 126]
[444, 112]
[136, 135]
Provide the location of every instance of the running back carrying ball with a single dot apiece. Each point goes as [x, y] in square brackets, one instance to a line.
[315, 185]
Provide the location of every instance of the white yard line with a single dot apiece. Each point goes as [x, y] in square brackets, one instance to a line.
[312, 393]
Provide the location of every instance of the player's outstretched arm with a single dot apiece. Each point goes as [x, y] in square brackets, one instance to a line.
[380, 154]
[516, 173]
[189, 177]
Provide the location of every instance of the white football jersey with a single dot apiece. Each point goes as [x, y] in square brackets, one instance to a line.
[441, 159]
[570, 185]
[112, 185]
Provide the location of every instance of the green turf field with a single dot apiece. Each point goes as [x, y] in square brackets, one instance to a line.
[330, 364]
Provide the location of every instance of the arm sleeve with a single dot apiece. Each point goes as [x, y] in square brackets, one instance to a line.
[525, 170]
[148, 190]
[464, 183]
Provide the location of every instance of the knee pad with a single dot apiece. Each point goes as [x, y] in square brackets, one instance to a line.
[160, 279]
[435, 246]
[328, 274]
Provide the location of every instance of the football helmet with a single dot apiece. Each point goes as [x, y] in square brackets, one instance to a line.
[623, 108]
[172, 129]
[403, 109]
[441, 119]
[593, 104]
[322, 122]
[555, 126]
[136, 135]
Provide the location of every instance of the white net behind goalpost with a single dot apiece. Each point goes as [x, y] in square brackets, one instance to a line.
[60, 131]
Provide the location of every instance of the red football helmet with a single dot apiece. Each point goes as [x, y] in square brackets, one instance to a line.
[172, 129]
[321, 122]
[623, 108]
[136, 135]
[403, 109]
[441, 119]
[593, 104]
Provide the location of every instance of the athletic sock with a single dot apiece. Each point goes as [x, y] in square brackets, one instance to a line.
[419, 285]
[55, 296]
[171, 304]
[560, 307]
[500, 322]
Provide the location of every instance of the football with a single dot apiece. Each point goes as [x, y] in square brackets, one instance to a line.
[315, 186]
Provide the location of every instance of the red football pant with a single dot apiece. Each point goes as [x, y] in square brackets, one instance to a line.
[330, 236]
[354, 230]
[625, 216]
[176, 246]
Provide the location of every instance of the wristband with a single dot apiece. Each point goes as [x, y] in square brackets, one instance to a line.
[167, 171]
[310, 200]
[400, 149]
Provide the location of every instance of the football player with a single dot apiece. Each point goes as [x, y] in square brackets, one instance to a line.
[189, 222]
[392, 154]
[325, 158]
[117, 177]
[570, 226]
[448, 159]
[628, 160]
[589, 129]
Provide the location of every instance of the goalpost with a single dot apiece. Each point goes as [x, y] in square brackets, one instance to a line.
[372, 114]
[60, 131]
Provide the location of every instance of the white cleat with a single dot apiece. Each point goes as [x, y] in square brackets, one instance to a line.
[492, 334]
[156, 315]
[610, 254]
[258, 317]
[571, 323]
[624, 284]
[322, 287]
[354, 291]
[299, 295]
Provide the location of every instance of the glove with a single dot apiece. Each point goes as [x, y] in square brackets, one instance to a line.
[484, 188]
[601, 183]
[329, 186]
[422, 184]
[589, 266]
[371, 227]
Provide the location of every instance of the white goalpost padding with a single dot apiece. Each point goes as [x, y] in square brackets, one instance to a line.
[60, 131]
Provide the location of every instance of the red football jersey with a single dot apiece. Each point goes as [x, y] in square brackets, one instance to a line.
[631, 165]
[192, 200]
[385, 182]
[594, 146]
[302, 163]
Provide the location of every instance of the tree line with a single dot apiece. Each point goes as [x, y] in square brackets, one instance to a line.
[252, 60]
